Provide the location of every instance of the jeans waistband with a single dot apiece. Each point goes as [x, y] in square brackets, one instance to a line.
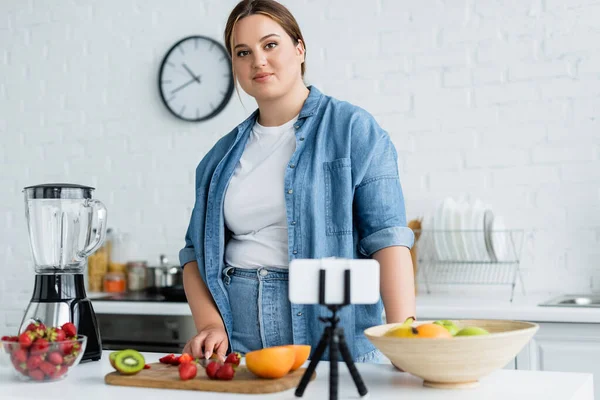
[262, 273]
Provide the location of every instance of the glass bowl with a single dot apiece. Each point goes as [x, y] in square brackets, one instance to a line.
[43, 361]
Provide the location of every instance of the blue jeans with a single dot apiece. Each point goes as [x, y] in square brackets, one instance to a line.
[261, 310]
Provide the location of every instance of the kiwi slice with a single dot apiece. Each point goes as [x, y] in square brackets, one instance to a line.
[129, 362]
[112, 357]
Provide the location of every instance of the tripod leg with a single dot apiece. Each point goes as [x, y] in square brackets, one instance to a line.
[360, 385]
[333, 366]
[313, 362]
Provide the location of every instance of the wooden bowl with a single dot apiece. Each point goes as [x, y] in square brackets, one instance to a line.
[457, 362]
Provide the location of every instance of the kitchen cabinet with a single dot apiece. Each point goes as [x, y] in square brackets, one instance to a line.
[564, 348]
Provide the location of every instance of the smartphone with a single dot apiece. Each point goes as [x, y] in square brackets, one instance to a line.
[304, 276]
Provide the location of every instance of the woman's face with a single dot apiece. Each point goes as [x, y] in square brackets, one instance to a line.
[266, 61]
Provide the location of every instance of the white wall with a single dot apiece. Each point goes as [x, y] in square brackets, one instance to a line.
[492, 99]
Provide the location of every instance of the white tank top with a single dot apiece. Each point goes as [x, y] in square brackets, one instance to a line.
[254, 206]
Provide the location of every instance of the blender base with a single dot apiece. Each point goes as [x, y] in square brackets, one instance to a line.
[61, 298]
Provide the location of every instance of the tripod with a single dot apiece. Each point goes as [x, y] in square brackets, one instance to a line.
[333, 336]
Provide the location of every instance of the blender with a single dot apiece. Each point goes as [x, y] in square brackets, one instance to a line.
[65, 226]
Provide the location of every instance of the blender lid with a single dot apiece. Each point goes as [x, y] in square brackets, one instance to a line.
[58, 191]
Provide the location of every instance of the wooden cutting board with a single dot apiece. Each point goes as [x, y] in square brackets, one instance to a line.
[162, 376]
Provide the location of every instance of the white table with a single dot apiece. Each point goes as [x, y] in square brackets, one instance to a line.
[86, 381]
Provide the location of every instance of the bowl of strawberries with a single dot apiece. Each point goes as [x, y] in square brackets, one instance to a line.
[43, 353]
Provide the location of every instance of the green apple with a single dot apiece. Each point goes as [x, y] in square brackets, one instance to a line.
[472, 331]
[449, 325]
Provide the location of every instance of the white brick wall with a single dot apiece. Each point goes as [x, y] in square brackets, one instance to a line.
[492, 99]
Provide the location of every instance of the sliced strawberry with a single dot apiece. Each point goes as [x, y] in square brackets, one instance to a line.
[70, 329]
[170, 359]
[184, 358]
[146, 366]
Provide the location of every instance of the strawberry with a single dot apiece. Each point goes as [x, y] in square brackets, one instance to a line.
[40, 346]
[49, 369]
[184, 358]
[11, 343]
[212, 368]
[170, 359]
[146, 366]
[20, 355]
[187, 371]
[69, 359]
[26, 339]
[55, 358]
[66, 348]
[55, 335]
[225, 373]
[37, 375]
[34, 362]
[21, 367]
[61, 371]
[233, 358]
[70, 329]
[37, 328]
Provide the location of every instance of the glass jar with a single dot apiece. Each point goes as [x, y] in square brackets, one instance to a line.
[136, 275]
[114, 282]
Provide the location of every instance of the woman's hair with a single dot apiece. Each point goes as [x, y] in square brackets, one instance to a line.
[272, 9]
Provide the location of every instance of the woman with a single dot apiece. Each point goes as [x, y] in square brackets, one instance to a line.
[305, 176]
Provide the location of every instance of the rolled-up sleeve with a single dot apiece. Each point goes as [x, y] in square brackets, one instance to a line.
[379, 202]
[187, 254]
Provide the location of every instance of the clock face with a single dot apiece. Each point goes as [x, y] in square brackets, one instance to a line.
[195, 79]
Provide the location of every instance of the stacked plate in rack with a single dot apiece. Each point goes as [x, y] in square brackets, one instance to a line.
[469, 232]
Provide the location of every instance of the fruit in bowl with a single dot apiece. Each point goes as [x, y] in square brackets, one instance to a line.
[457, 361]
[43, 354]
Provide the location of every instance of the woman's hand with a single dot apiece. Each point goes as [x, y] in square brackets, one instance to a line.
[212, 339]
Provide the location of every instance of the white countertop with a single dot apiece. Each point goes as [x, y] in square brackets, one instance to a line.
[383, 382]
[523, 308]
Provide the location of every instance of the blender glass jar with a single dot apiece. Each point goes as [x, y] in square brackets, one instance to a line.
[61, 220]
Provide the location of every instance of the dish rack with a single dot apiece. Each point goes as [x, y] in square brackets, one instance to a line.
[468, 257]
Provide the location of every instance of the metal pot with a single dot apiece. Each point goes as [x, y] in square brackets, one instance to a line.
[163, 275]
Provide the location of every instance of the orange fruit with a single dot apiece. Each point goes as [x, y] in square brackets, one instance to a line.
[432, 331]
[271, 362]
[302, 351]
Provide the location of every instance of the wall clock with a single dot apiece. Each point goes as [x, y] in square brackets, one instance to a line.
[195, 80]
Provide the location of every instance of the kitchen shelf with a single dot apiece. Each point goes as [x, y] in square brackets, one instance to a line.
[468, 257]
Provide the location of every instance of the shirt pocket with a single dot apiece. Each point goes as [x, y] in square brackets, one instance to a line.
[338, 196]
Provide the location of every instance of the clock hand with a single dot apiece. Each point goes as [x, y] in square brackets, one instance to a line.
[182, 86]
[196, 78]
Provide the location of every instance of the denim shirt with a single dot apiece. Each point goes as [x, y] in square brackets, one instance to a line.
[343, 199]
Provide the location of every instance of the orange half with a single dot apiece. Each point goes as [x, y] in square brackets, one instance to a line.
[302, 351]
